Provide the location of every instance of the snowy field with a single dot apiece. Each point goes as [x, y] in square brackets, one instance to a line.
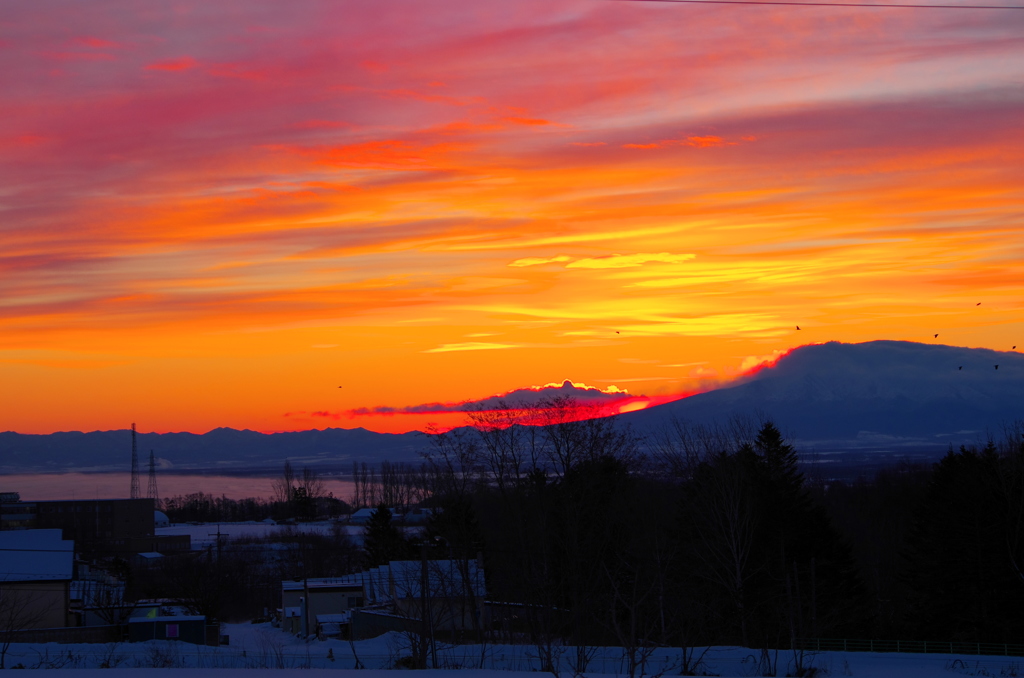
[257, 649]
[205, 534]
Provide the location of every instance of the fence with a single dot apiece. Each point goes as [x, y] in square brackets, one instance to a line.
[67, 635]
[912, 646]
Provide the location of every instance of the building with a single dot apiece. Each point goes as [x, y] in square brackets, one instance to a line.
[455, 599]
[36, 569]
[189, 629]
[98, 600]
[455, 592]
[329, 596]
[99, 527]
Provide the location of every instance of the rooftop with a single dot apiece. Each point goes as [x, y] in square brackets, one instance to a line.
[35, 555]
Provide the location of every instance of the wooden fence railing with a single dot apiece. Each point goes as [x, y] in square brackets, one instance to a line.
[918, 646]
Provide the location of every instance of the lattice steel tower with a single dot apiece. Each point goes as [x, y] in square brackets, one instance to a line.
[151, 490]
[136, 493]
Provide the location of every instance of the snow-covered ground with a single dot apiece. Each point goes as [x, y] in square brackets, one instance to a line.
[204, 534]
[258, 648]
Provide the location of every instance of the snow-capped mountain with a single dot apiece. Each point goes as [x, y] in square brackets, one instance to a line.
[847, 396]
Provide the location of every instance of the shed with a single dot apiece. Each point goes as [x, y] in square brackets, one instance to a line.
[190, 629]
[330, 625]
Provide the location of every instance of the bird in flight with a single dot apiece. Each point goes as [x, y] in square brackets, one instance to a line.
[978, 304]
[961, 367]
[798, 327]
[997, 367]
[936, 336]
[616, 331]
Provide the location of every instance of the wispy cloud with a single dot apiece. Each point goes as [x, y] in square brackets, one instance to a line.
[630, 260]
[707, 141]
[468, 346]
[538, 261]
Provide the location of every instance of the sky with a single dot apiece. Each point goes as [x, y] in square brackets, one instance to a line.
[284, 216]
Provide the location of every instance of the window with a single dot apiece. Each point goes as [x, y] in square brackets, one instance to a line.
[172, 631]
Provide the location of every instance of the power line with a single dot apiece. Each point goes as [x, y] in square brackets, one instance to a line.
[829, 4]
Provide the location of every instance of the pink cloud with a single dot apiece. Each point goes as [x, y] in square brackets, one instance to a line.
[96, 43]
[541, 397]
[527, 121]
[707, 141]
[171, 65]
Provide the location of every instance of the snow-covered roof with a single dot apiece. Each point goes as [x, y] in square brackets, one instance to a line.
[90, 590]
[160, 519]
[363, 515]
[323, 583]
[421, 515]
[35, 555]
[401, 579]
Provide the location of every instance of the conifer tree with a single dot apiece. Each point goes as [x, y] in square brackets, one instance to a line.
[382, 541]
[767, 558]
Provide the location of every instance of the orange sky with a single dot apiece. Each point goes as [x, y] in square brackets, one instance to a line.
[215, 214]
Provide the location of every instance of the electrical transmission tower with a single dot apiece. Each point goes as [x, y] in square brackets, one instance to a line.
[135, 493]
[151, 490]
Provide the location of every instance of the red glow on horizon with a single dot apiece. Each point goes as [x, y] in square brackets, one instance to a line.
[580, 410]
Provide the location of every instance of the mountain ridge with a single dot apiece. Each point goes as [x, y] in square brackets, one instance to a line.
[927, 393]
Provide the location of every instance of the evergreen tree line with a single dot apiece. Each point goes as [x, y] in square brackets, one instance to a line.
[714, 536]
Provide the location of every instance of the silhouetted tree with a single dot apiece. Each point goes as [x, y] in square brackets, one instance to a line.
[382, 541]
[763, 557]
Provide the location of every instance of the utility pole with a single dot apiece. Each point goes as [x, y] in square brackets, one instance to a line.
[151, 492]
[424, 606]
[305, 608]
[217, 534]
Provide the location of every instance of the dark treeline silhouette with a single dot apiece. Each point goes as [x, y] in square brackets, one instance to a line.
[207, 508]
[295, 496]
[701, 535]
[713, 535]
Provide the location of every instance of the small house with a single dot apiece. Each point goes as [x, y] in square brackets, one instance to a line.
[36, 570]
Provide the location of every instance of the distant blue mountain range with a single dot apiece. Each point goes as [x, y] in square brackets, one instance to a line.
[880, 396]
[222, 449]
